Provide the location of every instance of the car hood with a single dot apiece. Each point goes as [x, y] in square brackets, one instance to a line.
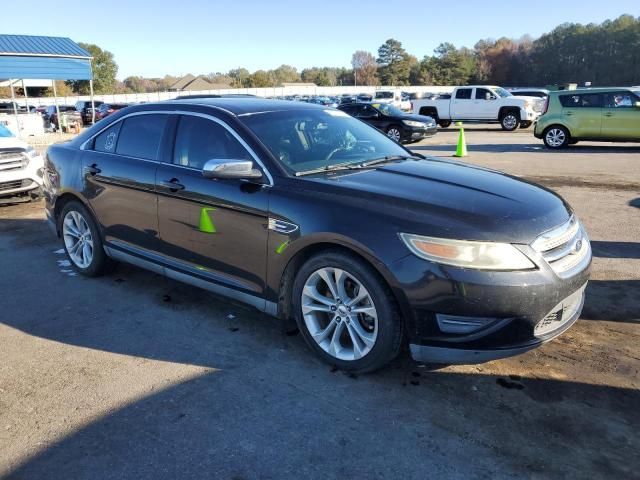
[12, 142]
[418, 118]
[452, 200]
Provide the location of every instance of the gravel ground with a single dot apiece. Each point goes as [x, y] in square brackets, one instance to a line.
[135, 376]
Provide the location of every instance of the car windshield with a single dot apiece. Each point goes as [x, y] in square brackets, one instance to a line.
[309, 139]
[5, 132]
[384, 94]
[388, 109]
[501, 92]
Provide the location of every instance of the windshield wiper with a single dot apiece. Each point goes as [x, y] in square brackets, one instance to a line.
[357, 166]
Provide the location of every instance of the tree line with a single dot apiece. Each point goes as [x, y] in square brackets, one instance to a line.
[603, 54]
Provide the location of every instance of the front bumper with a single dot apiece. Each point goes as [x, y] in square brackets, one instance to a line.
[508, 306]
[21, 181]
[414, 134]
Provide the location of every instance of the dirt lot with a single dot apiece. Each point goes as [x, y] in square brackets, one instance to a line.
[136, 376]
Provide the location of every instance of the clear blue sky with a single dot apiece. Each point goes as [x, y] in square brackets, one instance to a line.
[156, 37]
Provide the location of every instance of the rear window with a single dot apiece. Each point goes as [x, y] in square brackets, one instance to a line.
[107, 140]
[140, 136]
[464, 94]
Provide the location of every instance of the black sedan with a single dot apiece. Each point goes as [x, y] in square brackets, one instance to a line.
[398, 125]
[309, 214]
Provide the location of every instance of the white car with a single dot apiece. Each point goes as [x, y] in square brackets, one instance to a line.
[21, 168]
[393, 97]
[482, 103]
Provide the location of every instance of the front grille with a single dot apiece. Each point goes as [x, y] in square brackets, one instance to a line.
[4, 186]
[565, 248]
[12, 160]
[560, 314]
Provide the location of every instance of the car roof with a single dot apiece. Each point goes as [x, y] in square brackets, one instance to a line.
[244, 106]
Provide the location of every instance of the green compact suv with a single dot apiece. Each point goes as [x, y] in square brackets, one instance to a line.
[600, 114]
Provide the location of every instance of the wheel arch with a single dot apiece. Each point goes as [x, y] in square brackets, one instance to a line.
[67, 197]
[303, 254]
[557, 124]
[429, 111]
[507, 109]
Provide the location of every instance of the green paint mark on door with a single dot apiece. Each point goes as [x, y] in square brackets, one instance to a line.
[206, 225]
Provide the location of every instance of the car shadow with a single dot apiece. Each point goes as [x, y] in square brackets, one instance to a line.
[612, 300]
[265, 407]
[604, 249]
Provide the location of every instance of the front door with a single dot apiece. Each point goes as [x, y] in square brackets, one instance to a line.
[215, 229]
[485, 104]
[119, 167]
[621, 116]
[582, 113]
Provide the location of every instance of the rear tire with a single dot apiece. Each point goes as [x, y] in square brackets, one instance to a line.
[510, 121]
[82, 242]
[556, 137]
[366, 340]
[444, 123]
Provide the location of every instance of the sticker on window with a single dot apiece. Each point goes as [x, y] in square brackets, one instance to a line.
[110, 142]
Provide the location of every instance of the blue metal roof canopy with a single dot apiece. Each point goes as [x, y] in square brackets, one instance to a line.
[33, 57]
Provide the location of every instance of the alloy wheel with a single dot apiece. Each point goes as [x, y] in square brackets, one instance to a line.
[394, 134]
[339, 313]
[77, 239]
[510, 122]
[555, 137]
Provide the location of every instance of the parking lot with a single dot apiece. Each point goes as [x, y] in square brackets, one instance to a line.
[135, 376]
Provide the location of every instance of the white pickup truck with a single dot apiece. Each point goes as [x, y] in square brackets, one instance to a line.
[481, 103]
[393, 97]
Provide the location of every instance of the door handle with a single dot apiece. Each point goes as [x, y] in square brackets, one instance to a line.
[174, 185]
[92, 169]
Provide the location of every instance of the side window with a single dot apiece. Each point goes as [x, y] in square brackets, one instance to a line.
[463, 94]
[107, 140]
[585, 100]
[199, 140]
[619, 100]
[140, 136]
[481, 94]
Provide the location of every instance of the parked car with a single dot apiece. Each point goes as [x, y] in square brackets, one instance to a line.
[529, 92]
[86, 110]
[398, 125]
[107, 109]
[12, 107]
[305, 212]
[481, 103]
[394, 97]
[20, 168]
[598, 114]
[69, 112]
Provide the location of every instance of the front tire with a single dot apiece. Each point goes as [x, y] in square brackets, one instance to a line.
[346, 313]
[556, 137]
[394, 133]
[510, 121]
[82, 242]
[525, 124]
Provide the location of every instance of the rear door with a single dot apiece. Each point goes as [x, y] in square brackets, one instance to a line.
[582, 114]
[214, 229]
[462, 104]
[621, 116]
[119, 167]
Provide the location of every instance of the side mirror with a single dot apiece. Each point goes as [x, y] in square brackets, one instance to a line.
[227, 168]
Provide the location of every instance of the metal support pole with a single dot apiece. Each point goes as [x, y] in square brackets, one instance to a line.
[55, 100]
[93, 105]
[26, 98]
[15, 109]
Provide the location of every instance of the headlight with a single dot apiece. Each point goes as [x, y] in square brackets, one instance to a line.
[413, 123]
[468, 254]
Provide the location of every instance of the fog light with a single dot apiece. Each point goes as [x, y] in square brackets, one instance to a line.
[455, 324]
[40, 172]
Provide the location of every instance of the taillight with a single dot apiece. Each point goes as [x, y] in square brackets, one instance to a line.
[546, 106]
